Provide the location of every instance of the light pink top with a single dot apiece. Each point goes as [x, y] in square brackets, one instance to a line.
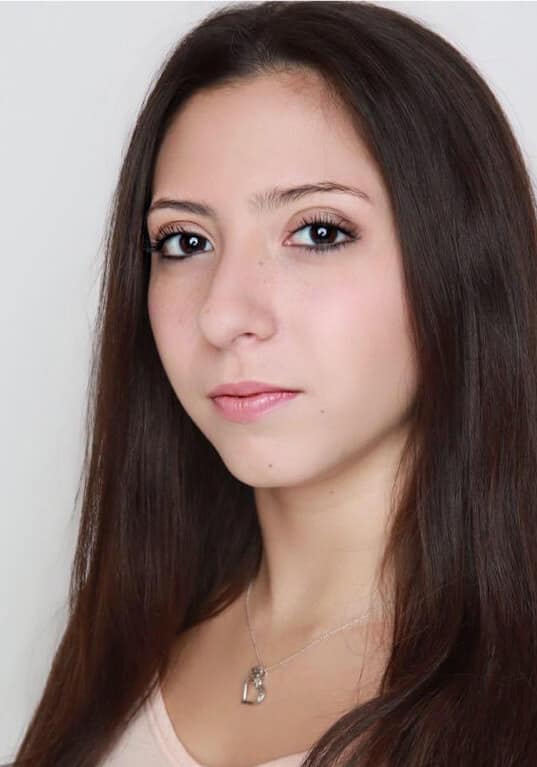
[151, 741]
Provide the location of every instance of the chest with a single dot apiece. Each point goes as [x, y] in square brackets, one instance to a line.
[303, 697]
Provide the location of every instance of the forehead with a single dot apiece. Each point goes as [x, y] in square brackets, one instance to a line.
[275, 129]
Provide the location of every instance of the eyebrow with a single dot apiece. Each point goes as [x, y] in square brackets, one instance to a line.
[270, 199]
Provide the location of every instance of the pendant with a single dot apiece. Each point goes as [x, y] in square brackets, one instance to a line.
[255, 675]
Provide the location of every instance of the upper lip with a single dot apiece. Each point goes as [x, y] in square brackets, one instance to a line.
[245, 388]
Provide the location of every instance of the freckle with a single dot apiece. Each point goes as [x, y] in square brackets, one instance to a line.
[270, 466]
[322, 411]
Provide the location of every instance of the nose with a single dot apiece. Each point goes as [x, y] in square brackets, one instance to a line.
[240, 296]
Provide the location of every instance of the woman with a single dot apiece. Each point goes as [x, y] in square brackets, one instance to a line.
[323, 199]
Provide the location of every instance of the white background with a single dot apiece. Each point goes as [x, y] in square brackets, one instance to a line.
[72, 78]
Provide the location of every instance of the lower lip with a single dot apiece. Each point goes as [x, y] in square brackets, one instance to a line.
[246, 409]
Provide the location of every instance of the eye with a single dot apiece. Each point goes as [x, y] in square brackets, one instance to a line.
[323, 227]
[185, 238]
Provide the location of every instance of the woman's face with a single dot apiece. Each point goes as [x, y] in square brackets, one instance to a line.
[250, 302]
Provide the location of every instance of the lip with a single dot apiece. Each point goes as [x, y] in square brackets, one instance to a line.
[247, 388]
[248, 408]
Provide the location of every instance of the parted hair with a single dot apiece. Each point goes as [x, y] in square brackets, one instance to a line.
[168, 537]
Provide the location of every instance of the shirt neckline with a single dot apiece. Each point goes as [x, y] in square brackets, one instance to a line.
[173, 748]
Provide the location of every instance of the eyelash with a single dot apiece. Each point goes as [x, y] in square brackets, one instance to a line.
[169, 230]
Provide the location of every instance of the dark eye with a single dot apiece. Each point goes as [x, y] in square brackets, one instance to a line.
[187, 242]
[325, 231]
[324, 226]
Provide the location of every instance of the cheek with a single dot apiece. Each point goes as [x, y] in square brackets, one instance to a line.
[360, 329]
[387, 339]
[159, 311]
[170, 313]
[171, 300]
[387, 355]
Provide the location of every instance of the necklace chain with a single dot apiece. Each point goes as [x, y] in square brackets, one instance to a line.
[324, 635]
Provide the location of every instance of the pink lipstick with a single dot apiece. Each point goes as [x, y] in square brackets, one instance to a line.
[248, 408]
[245, 401]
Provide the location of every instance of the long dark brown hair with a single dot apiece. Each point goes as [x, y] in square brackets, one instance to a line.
[168, 537]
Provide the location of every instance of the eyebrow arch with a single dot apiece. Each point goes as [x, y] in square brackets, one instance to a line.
[270, 199]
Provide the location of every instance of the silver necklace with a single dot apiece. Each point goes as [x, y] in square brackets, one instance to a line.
[256, 674]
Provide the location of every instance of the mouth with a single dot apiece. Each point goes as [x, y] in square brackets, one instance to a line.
[248, 388]
[247, 408]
